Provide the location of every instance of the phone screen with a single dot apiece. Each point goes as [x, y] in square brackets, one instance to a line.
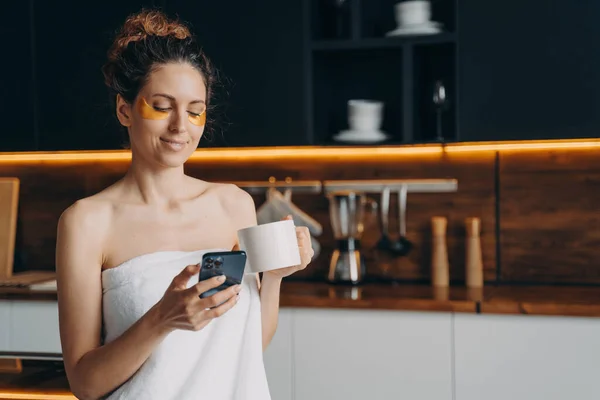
[228, 263]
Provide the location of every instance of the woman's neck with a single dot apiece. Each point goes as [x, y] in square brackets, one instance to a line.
[154, 185]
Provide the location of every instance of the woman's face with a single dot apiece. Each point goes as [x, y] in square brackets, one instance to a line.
[167, 119]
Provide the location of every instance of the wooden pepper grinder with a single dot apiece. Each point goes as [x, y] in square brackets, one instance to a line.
[473, 260]
[440, 267]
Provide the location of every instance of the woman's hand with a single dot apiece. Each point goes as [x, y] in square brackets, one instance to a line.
[306, 254]
[182, 308]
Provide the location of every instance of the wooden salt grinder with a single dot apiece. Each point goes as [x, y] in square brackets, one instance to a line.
[473, 259]
[440, 268]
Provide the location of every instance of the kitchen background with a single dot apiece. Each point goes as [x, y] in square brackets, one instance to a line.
[519, 124]
[512, 71]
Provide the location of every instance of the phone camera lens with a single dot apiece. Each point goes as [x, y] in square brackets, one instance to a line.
[219, 262]
[209, 260]
[208, 266]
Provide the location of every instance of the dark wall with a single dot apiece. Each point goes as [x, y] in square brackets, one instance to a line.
[529, 69]
[526, 70]
[55, 98]
[16, 83]
[257, 47]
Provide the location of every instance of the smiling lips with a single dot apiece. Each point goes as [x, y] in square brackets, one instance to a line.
[175, 145]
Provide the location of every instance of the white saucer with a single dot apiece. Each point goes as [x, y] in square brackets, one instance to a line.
[428, 28]
[361, 136]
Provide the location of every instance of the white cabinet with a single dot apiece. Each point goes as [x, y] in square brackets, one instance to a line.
[371, 354]
[526, 357]
[278, 358]
[4, 325]
[34, 327]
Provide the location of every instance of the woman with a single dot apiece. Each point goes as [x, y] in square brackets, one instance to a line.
[132, 323]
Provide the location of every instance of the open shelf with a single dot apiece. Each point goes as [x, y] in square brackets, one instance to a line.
[376, 18]
[358, 74]
[383, 43]
[351, 58]
[431, 64]
[368, 19]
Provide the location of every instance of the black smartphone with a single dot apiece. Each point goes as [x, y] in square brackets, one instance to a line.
[228, 263]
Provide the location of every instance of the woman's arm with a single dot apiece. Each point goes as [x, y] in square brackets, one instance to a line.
[94, 370]
[270, 286]
[271, 282]
[269, 306]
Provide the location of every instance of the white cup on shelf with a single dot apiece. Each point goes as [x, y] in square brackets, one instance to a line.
[412, 12]
[365, 115]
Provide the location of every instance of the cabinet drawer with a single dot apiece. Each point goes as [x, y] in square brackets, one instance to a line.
[34, 327]
[371, 354]
[526, 357]
[279, 359]
[4, 325]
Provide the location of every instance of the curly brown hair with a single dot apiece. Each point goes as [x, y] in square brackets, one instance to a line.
[147, 40]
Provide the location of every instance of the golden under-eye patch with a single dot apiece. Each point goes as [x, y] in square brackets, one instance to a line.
[199, 119]
[148, 112]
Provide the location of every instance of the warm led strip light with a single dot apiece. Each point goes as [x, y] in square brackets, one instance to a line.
[36, 396]
[526, 145]
[310, 152]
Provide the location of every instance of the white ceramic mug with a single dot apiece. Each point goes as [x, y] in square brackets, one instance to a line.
[412, 12]
[365, 115]
[270, 246]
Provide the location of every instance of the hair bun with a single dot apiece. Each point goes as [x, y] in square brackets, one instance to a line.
[144, 24]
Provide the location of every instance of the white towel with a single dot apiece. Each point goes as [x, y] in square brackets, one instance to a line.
[223, 361]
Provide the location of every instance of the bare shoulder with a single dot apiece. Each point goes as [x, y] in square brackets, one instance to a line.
[84, 225]
[89, 214]
[235, 202]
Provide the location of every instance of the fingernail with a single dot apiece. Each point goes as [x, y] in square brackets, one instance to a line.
[237, 288]
[237, 298]
[221, 278]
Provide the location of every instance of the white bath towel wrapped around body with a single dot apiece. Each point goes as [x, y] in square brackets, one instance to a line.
[223, 361]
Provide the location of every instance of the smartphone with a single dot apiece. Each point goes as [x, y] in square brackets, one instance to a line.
[228, 263]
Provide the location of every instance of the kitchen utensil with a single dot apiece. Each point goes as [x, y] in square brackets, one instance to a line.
[9, 201]
[439, 253]
[401, 246]
[384, 243]
[440, 101]
[473, 261]
[347, 212]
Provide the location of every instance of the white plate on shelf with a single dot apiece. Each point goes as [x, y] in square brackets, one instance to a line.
[361, 136]
[428, 28]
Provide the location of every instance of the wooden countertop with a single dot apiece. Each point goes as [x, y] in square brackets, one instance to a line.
[8, 293]
[502, 299]
[542, 300]
[379, 296]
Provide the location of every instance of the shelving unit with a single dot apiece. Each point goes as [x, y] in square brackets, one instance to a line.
[358, 61]
[397, 42]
